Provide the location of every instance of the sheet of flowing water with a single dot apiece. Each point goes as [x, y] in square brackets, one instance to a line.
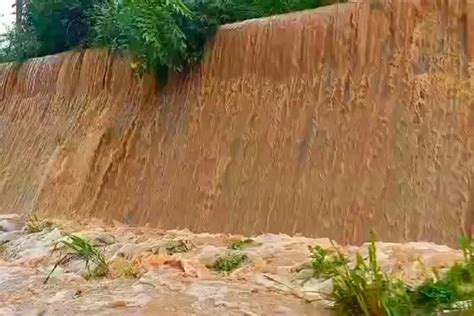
[327, 122]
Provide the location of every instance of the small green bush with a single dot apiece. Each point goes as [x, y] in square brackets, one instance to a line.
[326, 263]
[82, 249]
[229, 263]
[366, 290]
[457, 285]
[35, 225]
[363, 289]
[145, 29]
[432, 296]
[241, 244]
[177, 246]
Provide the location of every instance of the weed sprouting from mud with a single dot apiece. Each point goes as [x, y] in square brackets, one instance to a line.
[179, 246]
[35, 225]
[363, 289]
[325, 262]
[82, 249]
[453, 291]
[229, 263]
[241, 244]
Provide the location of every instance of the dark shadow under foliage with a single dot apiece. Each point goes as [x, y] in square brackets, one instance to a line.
[49, 27]
[58, 25]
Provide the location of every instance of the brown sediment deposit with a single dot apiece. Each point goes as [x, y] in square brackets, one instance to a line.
[328, 122]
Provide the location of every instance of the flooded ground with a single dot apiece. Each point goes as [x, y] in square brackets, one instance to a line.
[173, 271]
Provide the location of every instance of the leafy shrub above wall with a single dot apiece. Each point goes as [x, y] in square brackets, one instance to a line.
[150, 30]
[161, 35]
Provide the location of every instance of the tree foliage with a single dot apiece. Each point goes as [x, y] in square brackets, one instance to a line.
[48, 27]
[146, 29]
[160, 35]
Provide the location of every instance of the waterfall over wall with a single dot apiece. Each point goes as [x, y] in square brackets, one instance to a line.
[327, 122]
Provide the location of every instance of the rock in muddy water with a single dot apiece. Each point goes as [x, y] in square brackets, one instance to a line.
[62, 296]
[209, 255]
[11, 222]
[24, 246]
[318, 286]
[52, 236]
[102, 239]
[27, 247]
[304, 274]
[27, 312]
[6, 237]
[130, 251]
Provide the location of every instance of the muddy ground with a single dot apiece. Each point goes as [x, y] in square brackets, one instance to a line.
[173, 274]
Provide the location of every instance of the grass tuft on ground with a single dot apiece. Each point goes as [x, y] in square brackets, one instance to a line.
[361, 288]
[78, 247]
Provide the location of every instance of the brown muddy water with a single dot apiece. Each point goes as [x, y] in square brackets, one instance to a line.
[269, 282]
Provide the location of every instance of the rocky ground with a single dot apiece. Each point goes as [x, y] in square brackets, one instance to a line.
[173, 275]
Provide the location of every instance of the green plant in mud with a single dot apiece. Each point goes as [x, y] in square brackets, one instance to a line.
[364, 289]
[35, 225]
[434, 295]
[82, 249]
[454, 290]
[179, 246]
[241, 244]
[229, 263]
[326, 263]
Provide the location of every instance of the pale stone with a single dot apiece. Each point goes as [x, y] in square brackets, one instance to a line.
[11, 222]
[209, 254]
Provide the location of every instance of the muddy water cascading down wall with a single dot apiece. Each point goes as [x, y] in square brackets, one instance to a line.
[328, 122]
